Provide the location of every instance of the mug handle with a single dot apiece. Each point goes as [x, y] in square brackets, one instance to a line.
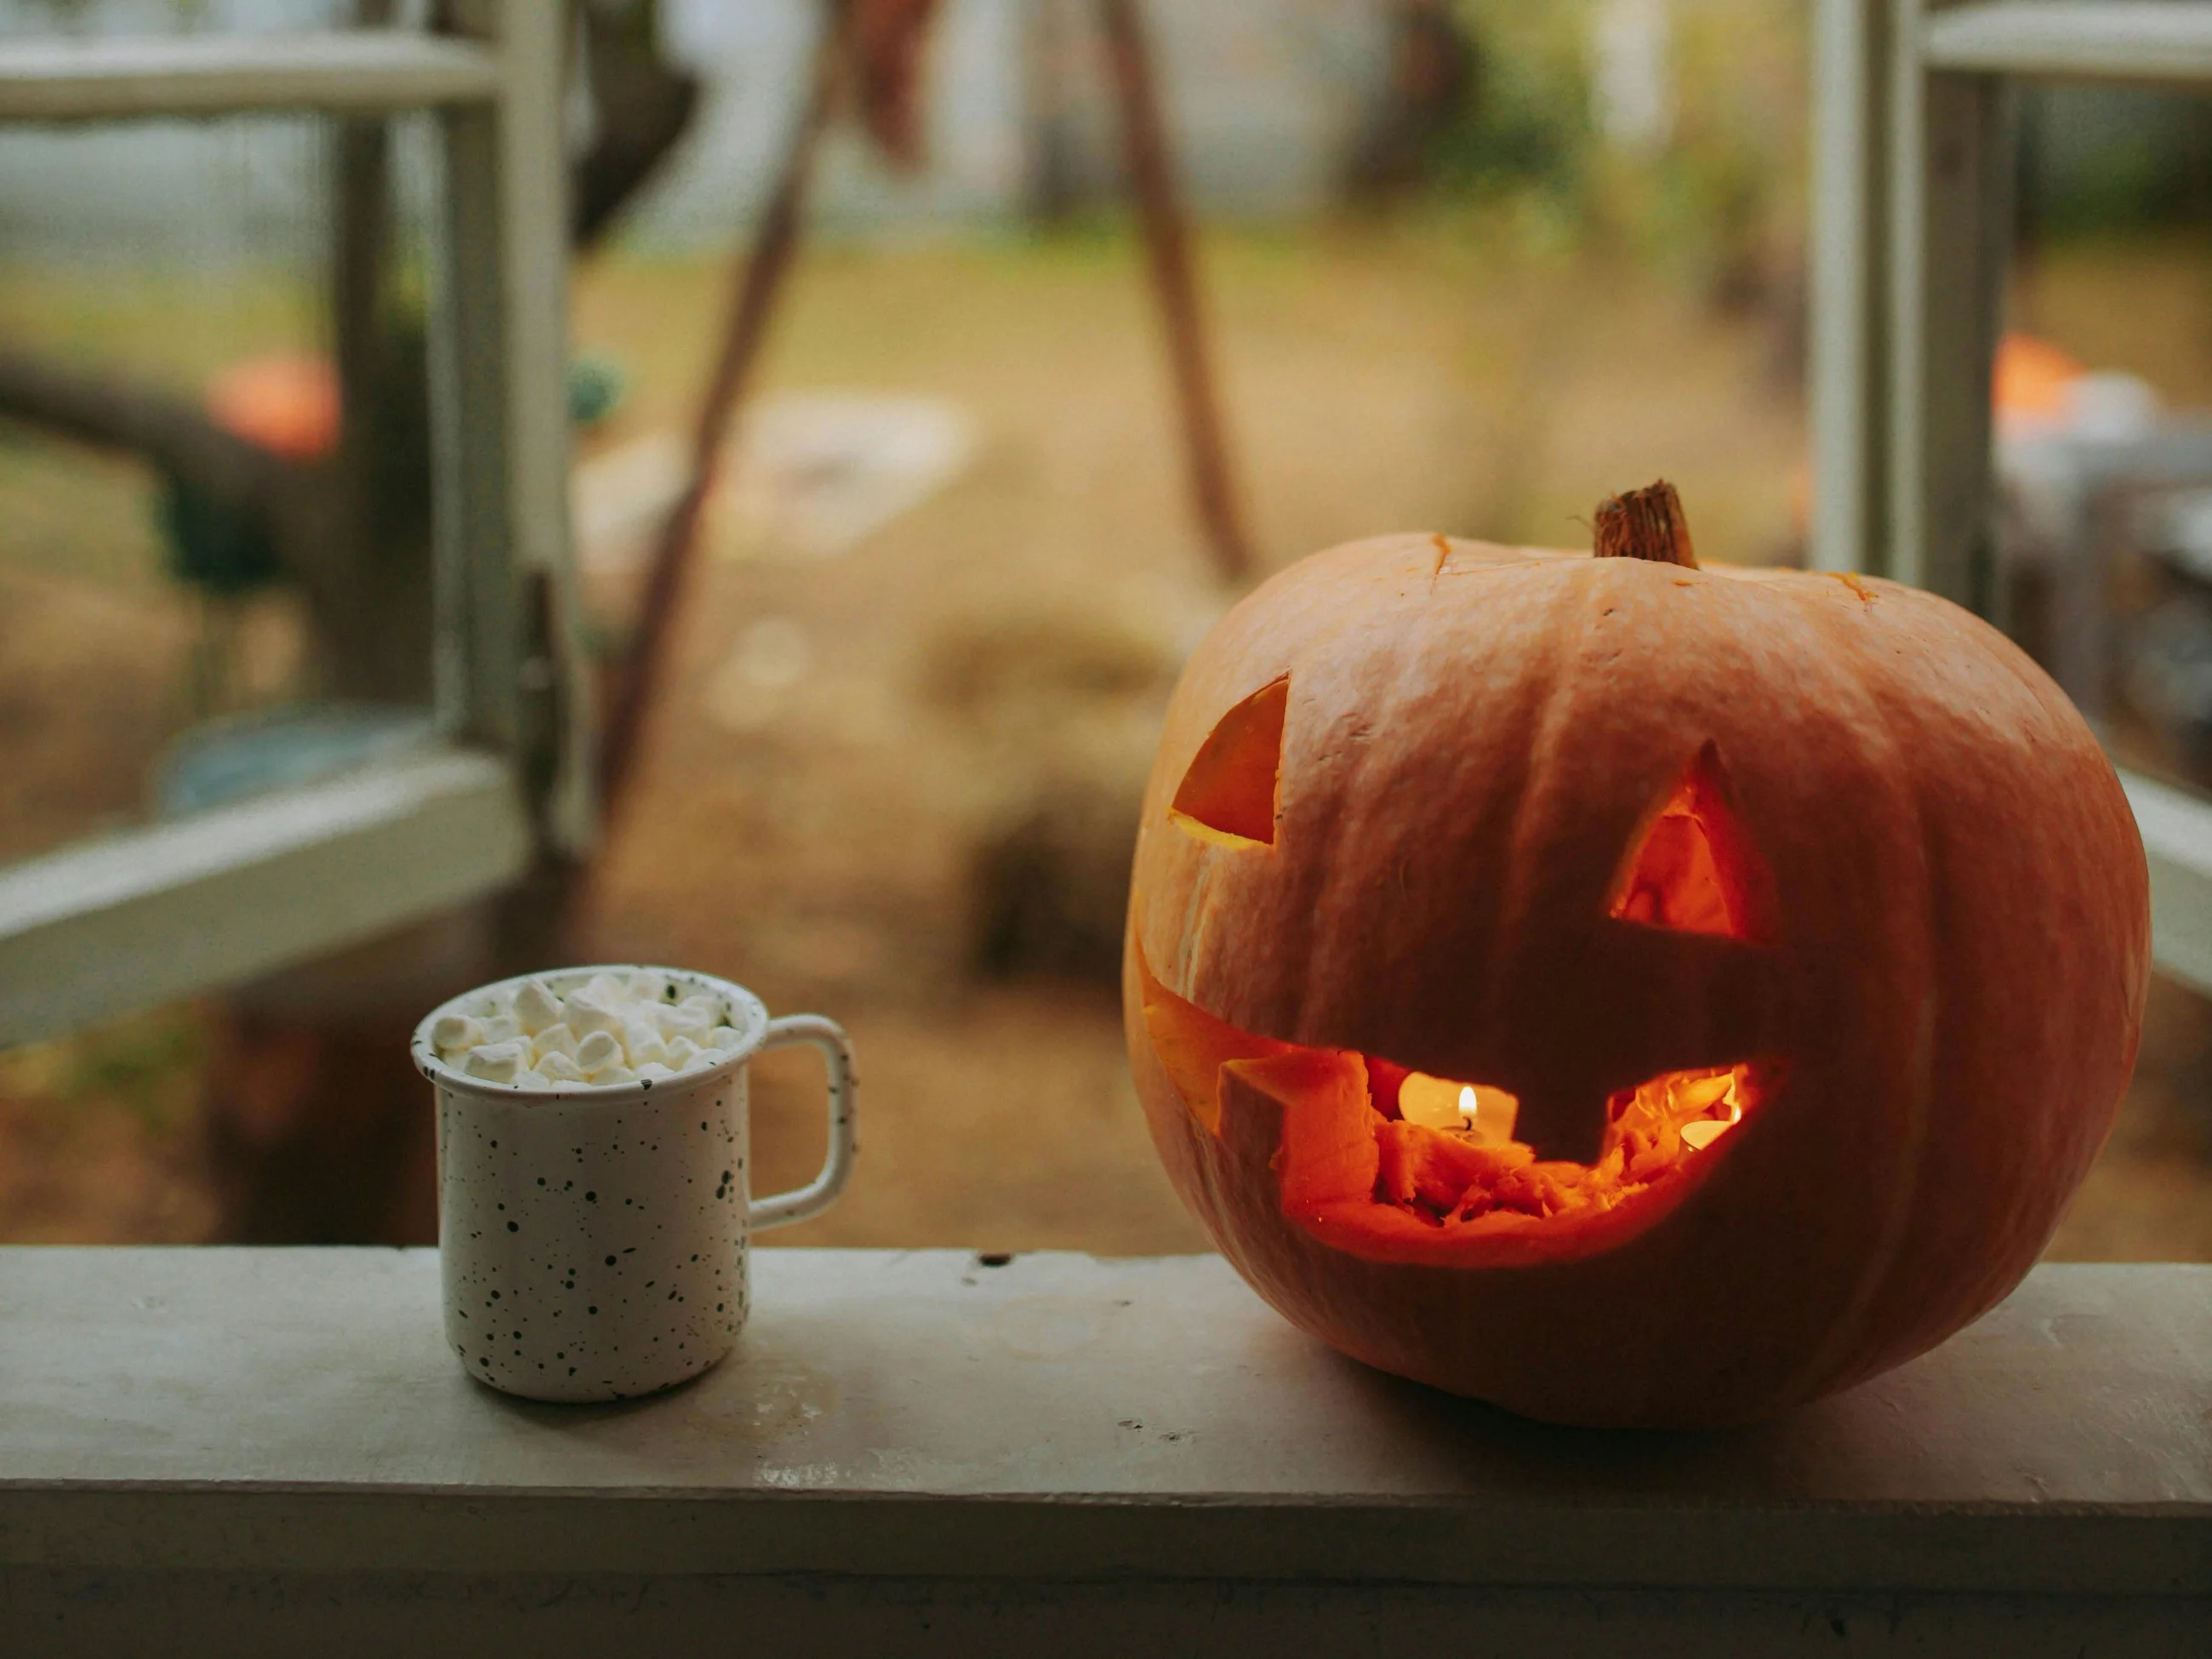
[818, 1194]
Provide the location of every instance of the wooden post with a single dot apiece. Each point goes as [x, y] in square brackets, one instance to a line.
[760, 283]
[1167, 249]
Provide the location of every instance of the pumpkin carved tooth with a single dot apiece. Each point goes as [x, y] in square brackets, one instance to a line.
[1709, 885]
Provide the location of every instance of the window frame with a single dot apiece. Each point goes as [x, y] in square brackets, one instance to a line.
[1912, 194]
[105, 926]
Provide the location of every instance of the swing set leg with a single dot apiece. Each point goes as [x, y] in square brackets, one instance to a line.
[1166, 233]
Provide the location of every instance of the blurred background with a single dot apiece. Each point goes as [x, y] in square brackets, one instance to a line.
[1466, 265]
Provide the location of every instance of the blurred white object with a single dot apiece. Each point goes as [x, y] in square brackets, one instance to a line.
[820, 471]
[810, 474]
[2073, 449]
[2111, 408]
[773, 655]
[2047, 461]
[616, 501]
[2180, 528]
[1631, 73]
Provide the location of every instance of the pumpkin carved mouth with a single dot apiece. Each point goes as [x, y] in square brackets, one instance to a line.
[1374, 1158]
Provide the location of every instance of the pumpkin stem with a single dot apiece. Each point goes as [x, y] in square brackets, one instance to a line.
[1645, 524]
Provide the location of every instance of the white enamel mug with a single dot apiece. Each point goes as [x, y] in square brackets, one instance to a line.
[593, 1241]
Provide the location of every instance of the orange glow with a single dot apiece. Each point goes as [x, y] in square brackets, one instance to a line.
[2032, 377]
[287, 405]
[1674, 881]
[1229, 795]
[1695, 870]
[1435, 1162]
[1460, 1175]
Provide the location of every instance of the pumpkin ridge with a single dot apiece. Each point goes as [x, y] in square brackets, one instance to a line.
[1875, 729]
[1373, 784]
[1198, 916]
[1947, 722]
[1577, 619]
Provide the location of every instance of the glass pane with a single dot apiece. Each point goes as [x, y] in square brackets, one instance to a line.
[214, 573]
[214, 546]
[2104, 544]
[2103, 414]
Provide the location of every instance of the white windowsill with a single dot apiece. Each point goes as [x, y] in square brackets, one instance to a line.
[176, 1424]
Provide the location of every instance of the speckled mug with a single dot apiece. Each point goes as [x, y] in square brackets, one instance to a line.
[593, 1241]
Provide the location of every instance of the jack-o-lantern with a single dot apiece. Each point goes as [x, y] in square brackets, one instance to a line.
[1626, 992]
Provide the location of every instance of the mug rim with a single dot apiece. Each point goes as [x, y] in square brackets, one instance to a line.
[428, 1062]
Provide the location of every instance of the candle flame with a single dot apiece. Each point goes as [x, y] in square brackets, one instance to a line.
[1467, 1104]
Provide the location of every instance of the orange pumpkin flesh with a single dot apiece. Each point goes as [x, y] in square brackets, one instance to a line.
[1595, 834]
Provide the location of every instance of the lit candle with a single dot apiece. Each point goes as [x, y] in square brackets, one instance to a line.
[1435, 1103]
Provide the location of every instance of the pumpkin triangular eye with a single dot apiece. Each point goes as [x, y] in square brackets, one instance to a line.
[1229, 793]
[1695, 870]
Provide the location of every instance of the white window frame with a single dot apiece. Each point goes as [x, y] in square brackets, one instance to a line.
[1912, 190]
[105, 925]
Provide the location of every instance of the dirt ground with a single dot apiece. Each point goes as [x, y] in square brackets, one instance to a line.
[811, 815]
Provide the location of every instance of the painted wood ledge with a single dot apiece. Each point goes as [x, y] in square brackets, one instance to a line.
[277, 1416]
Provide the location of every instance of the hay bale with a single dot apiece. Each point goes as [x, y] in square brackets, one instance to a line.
[1063, 708]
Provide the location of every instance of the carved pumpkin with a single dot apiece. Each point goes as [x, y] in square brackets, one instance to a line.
[1628, 992]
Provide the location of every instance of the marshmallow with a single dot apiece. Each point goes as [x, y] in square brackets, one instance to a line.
[554, 1040]
[682, 1022]
[586, 1011]
[535, 1008]
[644, 1043]
[453, 1032]
[496, 1062]
[617, 1028]
[598, 1051]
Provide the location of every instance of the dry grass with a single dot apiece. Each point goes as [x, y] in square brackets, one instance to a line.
[96, 1141]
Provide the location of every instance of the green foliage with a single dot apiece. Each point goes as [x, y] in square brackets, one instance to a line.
[1726, 199]
[213, 545]
[2106, 160]
[149, 1064]
[1528, 127]
[596, 386]
[1719, 202]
